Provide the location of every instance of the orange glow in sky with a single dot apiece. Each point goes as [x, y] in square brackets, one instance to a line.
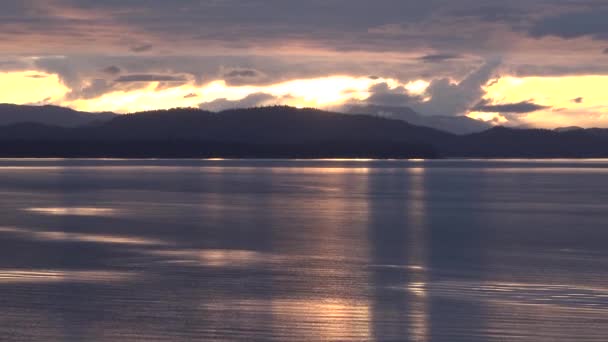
[570, 100]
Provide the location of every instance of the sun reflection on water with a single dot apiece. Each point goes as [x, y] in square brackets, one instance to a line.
[74, 211]
[57, 276]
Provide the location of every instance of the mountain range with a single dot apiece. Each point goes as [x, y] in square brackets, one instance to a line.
[49, 115]
[274, 132]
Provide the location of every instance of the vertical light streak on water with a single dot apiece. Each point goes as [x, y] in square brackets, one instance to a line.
[418, 255]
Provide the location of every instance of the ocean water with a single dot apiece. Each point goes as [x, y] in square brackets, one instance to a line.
[224, 250]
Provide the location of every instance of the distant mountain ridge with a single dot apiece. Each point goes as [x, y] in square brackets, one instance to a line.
[49, 115]
[286, 132]
[452, 124]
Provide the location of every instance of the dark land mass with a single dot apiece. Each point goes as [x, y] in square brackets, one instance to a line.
[285, 132]
[50, 115]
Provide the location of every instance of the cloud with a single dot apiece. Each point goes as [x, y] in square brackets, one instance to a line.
[93, 89]
[442, 97]
[190, 96]
[510, 108]
[438, 58]
[242, 73]
[42, 102]
[112, 70]
[244, 76]
[37, 76]
[382, 94]
[574, 24]
[142, 48]
[605, 51]
[150, 78]
[578, 100]
[253, 100]
[450, 98]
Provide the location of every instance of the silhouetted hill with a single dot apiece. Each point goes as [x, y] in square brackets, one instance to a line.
[452, 124]
[280, 124]
[257, 132]
[502, 142]
[567, 129]
[285, 132]
[49, 115]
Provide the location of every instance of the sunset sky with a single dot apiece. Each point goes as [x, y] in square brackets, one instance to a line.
[537, 63]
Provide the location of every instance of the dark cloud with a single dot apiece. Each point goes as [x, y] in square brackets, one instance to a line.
[578, 100]
[511, 108]
[574, 24]
[42, 102]
[94, 89]
[36, 76]
[253, 100]
[150, 78]
[242, 73]
[112, 70]
[142, 48]
[245, 76]
[437, 58]
[605, 51]
[191, 95]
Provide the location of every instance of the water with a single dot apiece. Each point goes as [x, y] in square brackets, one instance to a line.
[119, 250]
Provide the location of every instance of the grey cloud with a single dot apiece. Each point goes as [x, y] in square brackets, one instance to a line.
[96, 88]
[36, 76]
[382, 94]
[605, 51]
[437, 58]
[253, 100]
[242, 73]
[575, 24]
[447, 98]
[191, 95]
[112, 70]
[245, 77]
[142, 48]
[578, 100]
[511, 108]
[149, 78]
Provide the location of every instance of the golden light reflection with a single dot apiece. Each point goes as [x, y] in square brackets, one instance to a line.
[221, 258]
[418, 255]
[58, 276]
[74, 211]
[327, 320]
[80, 237]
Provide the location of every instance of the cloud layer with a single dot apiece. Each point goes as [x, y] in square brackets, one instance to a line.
[103, 48]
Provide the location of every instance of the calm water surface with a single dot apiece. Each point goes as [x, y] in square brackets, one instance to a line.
[119, 250]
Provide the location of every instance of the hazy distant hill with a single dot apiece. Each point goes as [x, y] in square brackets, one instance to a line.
[452, 124]
[49, 115]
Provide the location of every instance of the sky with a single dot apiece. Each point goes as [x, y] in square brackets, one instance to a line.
[538, 63]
